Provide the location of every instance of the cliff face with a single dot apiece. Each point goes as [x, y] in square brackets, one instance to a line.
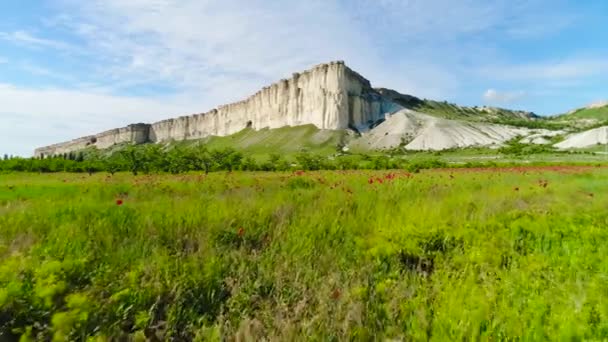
[136, 133]
[329, 96]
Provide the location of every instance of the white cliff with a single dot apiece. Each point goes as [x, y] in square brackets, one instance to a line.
[418, 131]
[329, 96]
[589, 138]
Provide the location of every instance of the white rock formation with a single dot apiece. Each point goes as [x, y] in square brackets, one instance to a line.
[329, 96]
[137, 133]
[598, 104]
[540, 136]
[585, 139]
[417, 131]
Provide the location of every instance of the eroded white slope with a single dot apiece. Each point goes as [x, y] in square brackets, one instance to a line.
[420, 131]
[585, 139]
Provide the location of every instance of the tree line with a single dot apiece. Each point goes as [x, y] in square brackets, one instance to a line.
[153, 158]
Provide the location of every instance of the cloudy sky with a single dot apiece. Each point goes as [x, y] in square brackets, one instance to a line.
[71, 67]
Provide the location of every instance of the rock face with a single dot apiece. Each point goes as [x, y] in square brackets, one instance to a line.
[329, 96]
[417, 131]
[592, 137]
[136, 133]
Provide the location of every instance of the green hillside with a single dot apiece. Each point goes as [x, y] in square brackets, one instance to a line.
[599, 114]
[284, 140]
[453, 111]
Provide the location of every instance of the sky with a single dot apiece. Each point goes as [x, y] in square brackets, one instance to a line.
[70, 68]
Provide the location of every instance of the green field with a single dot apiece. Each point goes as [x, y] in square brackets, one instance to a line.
[464, 254]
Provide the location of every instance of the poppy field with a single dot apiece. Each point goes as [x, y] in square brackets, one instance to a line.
[445, 254]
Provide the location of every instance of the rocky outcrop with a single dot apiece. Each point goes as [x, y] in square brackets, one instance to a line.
[136, 133]
[329, 96]
[416, 131]
[592, 137]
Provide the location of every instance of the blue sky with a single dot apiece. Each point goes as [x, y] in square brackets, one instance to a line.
[71, 67]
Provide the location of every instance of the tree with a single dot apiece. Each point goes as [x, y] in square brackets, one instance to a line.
[133, 159]
[309, 161]
[227, 159]
[249, 164]
[152, 158]
[114, 163]
[203, 158]
[179, 159]
[92, 162]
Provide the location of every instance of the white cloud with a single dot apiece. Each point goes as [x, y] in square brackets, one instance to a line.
[556, 70]
[25, 38]
[197, 44]
[433, 21]
[495, 96]
[213, 52]
[37, 117]
[193, 43]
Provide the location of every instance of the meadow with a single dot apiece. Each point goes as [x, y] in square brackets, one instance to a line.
[449, 254]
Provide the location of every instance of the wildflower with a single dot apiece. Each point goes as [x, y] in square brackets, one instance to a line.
[336, 294]
[371, 181]
[241, 232]
[119, 202]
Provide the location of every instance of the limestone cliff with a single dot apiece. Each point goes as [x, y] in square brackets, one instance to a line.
[329, 96]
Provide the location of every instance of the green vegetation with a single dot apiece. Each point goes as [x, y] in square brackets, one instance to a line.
[478, 114]
[599, 114]
[287, 141]
[448, 110]
[516, 147]
[330, 255]
[183, 157]
[540, 123]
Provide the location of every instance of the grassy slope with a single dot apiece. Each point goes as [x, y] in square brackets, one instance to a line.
[599, 114]
[452, 111]
[495, 115]
[288, 141]
[584, 118]
[321, 256]
[285, 141]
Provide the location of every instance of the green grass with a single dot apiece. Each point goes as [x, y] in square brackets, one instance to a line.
[600, 114]
[286, 141]
[440, 255]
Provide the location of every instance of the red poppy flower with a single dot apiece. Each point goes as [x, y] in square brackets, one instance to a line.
[336, 294]
[371, 181]
[119, 202]
[241, 231]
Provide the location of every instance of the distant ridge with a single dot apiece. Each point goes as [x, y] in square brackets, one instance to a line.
[330, 96]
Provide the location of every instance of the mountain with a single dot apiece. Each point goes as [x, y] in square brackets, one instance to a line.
[598, 113]
[332, 97]
[447, 110]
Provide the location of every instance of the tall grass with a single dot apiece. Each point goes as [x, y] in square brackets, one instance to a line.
[439, 255]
